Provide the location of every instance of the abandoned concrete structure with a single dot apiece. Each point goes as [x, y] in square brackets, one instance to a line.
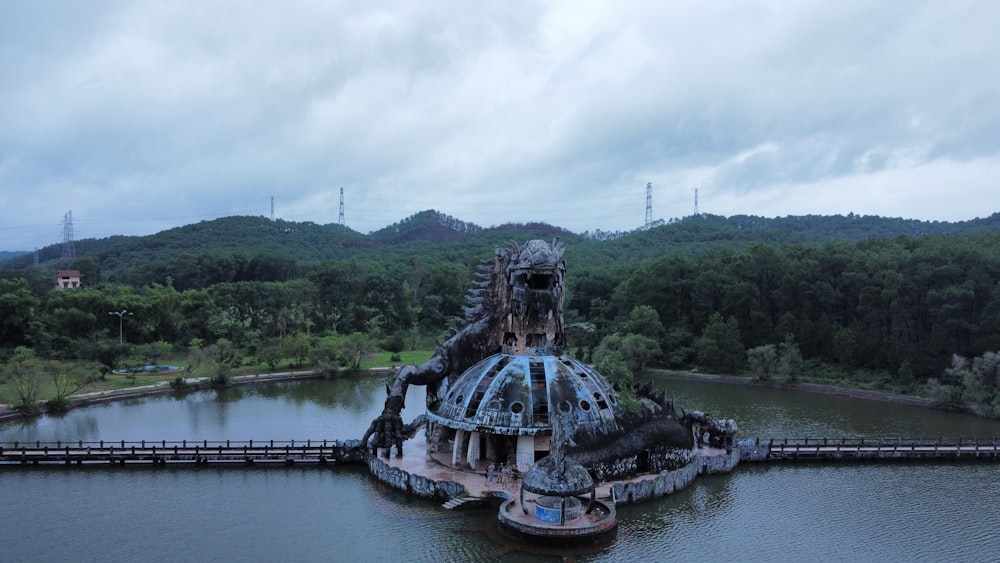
[502, 408]
[502, 391]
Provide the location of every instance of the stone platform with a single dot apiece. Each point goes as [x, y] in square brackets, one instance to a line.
[431, 475]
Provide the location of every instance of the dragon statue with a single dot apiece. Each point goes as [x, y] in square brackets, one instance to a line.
[515, 307]
[507, 288]
[717, 433]
[508, 285]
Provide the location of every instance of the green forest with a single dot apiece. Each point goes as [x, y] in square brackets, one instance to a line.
[900, 305]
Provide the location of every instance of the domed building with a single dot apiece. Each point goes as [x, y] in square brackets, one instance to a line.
[502, 408]
[495, 387]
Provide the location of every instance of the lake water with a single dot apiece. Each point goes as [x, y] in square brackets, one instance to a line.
[848, 512]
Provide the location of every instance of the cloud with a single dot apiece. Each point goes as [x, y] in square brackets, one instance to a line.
[140, 116]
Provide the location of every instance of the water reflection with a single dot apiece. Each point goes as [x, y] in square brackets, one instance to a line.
[854, 512]
[783, 413]
[304, 410]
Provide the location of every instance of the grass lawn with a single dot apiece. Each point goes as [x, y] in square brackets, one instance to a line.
[384, 359]
[114, 382]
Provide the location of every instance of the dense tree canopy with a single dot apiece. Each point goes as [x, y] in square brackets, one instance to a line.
[704, 291]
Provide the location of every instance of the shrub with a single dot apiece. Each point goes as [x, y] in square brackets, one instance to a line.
[58, 404]
[179, 383]
[221, 377]
[326, 369]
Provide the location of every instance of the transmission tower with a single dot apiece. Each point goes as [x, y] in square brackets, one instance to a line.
[649, 204]
[68, 250]
[341, 219]
[272, 209]
[696, 201]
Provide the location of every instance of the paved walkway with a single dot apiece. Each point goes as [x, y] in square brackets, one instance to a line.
[438, 467]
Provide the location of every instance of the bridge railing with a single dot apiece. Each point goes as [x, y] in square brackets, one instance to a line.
[863, 441]
[165, 444]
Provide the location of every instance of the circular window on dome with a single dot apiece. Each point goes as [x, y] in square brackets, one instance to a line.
[517, 407]
[459, 399]
[564, 406]
[584, 405]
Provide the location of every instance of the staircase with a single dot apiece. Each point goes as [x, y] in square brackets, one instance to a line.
[456, 502]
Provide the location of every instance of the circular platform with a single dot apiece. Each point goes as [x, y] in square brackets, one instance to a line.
[598, 527]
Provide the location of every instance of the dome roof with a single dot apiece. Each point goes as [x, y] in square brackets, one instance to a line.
[514, 394]
[545, 478]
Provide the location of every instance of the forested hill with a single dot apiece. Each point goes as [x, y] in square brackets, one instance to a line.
[242, 248]
[256, 248]
[4, 255]
[697, 233]
[897, 298]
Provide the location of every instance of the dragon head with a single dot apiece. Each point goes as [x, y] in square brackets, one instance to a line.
[535, 276]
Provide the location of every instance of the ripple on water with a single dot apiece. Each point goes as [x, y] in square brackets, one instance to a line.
[829, 513]
[850, 512]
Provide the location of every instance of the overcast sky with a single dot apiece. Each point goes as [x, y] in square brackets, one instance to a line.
[138, 116]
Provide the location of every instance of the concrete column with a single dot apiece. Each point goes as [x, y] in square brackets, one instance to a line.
[455, 451]
[473, 455]
[525, 453]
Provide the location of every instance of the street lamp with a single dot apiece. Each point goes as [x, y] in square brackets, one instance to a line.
[121, 315]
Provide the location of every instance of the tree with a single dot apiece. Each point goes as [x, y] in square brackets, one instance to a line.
[270, 355]
[163, 314]
[844, 345]
[18, 308]
[297, 346]
[612, 365]
[608, 345]
[155, 350]
[68, 378]
[678, 347]
[904, 375]
[196, 355]
[24, 372]
[639, 351]
[721, 346]
[645, 321]
[789, 359]
[355, 347]
[979, 384]
[762, 361]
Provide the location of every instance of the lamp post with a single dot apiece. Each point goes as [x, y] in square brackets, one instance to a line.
[121, 316]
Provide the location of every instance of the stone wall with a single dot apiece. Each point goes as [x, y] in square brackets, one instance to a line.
[669, 482]
[619, 468]
[754, 452]
[661, 458]
[416, 485]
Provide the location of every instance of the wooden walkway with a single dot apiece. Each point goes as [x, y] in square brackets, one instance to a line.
[825, 449]
[322, 452]
[319, 452]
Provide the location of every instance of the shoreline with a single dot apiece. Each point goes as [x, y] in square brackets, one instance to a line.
[199, 383]
[158, 388]
[817, 388]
